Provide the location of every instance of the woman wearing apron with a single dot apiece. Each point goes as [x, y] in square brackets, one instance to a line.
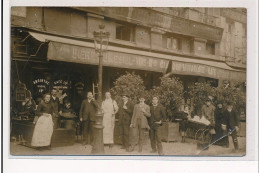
[43, 125]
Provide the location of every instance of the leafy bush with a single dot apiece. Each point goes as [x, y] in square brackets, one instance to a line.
[200, 92]
[129, 83]
[170, 93]
[232, 94]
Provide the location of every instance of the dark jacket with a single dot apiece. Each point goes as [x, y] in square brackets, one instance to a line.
[138, 114]
[45, 108]
[88, 110]
[125, 115]
[56, 104]
[157, 114]
[219, 115]
[231, 119]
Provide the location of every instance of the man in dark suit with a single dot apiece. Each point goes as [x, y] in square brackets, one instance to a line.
[87, 115]
[230, 123]
[56, 106]
[125, 115]
[155, 121]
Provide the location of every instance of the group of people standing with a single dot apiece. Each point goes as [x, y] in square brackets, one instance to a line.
[224, 121]
[134, 120]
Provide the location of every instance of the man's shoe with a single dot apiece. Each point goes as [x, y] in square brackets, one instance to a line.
[153, 151]
[131, 149]
[161, 154]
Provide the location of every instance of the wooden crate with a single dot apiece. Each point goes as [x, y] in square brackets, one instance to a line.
[170, 131]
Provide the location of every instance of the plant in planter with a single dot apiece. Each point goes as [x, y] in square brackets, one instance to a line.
[130, 83]
[170, 93]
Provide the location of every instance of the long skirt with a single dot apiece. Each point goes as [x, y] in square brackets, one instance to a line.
[108, 131]
[43, 131]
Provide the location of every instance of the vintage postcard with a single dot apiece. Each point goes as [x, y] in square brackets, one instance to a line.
[167, 81]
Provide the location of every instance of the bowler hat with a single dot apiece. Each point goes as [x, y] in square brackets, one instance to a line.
[141, 96]
[125, 94]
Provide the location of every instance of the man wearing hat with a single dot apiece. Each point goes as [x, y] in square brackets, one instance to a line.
[158, 115]
[139, 122]
[125, 115]
[218, 120]
[208, 110]
[230, 123]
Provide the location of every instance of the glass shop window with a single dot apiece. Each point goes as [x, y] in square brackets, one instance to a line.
[210, 48]
[171, 42]
[125, 32]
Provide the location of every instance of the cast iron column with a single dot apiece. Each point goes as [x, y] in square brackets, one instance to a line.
[98, 147]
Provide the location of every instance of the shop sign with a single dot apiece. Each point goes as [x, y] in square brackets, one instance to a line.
[85, 55]
[206, 71]
[40, 85]
[61, 84]
[20, 92]
[79, 86]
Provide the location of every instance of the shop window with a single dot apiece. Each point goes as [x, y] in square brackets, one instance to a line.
[210, 48]
[171, 42]
[125, 32]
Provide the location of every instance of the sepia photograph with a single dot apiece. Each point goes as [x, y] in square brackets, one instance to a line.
[128, 81]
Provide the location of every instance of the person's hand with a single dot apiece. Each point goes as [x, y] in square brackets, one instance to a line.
[80, 119]
[158, 122]
[223, 127]
[131, 125]
[237, 128]
[60, 112]
[124, 107]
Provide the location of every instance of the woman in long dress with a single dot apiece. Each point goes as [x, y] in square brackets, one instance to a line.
[110, 108]
[43, 125]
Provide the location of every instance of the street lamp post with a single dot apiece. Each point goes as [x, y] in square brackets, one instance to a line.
[101, 39]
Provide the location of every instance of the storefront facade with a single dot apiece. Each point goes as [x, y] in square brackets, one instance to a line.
[53, 47]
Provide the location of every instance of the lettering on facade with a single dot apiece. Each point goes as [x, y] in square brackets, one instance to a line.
[86, 55]
[40, 85]
[208, 71]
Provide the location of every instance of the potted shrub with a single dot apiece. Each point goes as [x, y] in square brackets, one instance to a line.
[170, 93]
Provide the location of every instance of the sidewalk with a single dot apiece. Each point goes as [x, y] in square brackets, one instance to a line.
[189, 148]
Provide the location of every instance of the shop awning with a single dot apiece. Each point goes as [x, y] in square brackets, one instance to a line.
[71, 50]
[207, 70]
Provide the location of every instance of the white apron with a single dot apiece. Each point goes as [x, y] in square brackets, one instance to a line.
[109, 108]
[43, 131]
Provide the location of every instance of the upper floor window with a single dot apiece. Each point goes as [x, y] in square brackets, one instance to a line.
[229, 26]
[125, 32]
[210, 48]
[171, 42]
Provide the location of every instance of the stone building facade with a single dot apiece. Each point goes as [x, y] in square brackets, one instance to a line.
[195, 44]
